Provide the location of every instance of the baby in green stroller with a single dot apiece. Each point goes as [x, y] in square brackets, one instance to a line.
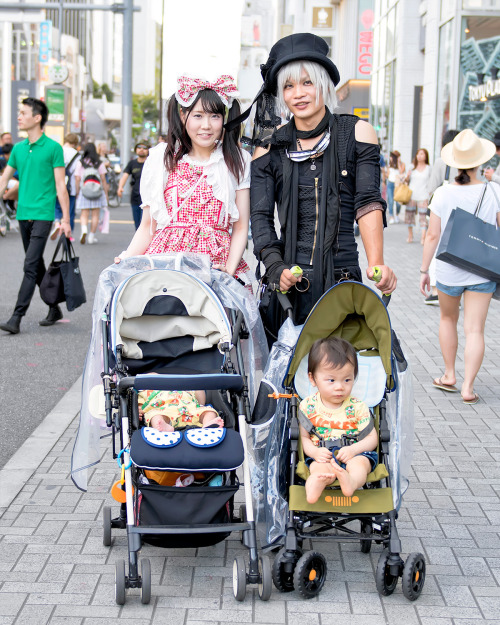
[341, 439]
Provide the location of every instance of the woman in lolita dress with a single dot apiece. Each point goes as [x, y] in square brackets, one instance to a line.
[195, 187]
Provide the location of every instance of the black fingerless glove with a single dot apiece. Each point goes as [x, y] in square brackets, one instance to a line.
[274, 264]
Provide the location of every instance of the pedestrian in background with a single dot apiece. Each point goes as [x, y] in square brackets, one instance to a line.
[12, 190]
[441, 173]
[71, 157]
[5, 139]
[466, 152]
[393, 177]
[418, 177]
[40, 165]
[91, 192]
[134, 170]
[494, 174]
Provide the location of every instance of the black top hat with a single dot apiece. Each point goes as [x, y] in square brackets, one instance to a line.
[496, 140]
[297, 47]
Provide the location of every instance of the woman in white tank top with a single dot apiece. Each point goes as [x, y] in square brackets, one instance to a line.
[418, 177]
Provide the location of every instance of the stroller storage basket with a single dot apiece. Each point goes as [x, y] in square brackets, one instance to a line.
[189, 506]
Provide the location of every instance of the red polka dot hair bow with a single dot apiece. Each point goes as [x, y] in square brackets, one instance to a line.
[189, 88]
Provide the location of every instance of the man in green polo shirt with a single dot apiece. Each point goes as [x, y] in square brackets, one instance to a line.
[40, 164]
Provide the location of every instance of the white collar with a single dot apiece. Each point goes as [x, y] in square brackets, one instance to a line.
[216, 156]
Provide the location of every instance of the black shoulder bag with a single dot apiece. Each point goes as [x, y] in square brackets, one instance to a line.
[62, 281]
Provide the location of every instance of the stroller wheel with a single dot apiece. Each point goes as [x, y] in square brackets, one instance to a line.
[413, 576]
[385, 581]
[310, 574]
[266, 580]
[282, 572]
[239, 578]
[145, 581]
[120, 582]
[106, 526]
[366, 528]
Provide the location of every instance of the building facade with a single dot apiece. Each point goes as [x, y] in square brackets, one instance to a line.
[435, 68]
[347, 28]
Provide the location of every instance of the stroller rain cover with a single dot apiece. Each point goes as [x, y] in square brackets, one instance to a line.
[232, 295]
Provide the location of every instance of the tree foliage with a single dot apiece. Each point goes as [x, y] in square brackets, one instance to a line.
[144, 108]
[102, 90]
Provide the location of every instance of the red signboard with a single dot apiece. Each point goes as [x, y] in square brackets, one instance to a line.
[365, 39]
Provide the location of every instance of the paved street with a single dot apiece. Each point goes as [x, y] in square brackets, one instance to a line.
[54, 568]
[47, 360]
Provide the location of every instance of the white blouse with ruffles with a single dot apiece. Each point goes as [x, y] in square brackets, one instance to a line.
[154, 179]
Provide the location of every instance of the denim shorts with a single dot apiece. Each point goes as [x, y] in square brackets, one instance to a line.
[456, 291]
[371, 455]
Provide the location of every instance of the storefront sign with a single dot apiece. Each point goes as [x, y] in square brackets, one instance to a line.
[487, 91]
[54, 99]
[45, 41]
[363, 113]
[20, 89]
[322, 17]
[365, 39]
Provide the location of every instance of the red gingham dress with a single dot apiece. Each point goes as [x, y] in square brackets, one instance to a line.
[201, 225]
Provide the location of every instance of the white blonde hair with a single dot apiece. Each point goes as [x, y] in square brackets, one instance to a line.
[319, 78]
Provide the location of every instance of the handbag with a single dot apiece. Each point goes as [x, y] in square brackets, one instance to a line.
[104, 220]
[62, 281]
[470, 243]
[402, 193]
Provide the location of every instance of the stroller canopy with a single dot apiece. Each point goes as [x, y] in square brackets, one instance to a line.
[353, 312]
[165, 314]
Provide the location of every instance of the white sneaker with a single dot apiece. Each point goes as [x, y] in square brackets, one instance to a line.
[55, 230]
[92, 238]
[391, 220]
[83, 235]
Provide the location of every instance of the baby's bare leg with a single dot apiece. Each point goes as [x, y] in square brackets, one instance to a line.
[354, 475]
[210, 417]
[321, 476]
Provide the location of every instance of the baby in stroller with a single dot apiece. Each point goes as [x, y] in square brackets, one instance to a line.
[169, 410]
[337, 430]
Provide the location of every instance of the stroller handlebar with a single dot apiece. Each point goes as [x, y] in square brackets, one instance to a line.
[174, 382]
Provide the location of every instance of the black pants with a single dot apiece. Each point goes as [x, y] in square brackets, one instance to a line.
[34, 235]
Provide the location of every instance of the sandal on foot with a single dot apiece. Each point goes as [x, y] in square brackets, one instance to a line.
[471, 401]
[438, 383]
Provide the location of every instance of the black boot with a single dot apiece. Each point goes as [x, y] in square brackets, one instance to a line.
[12, 325]
[55, 314]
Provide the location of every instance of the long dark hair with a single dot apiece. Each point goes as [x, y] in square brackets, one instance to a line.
[90, 158]
[393, 160]
[463, 176]
[179, 143]
[415, 162]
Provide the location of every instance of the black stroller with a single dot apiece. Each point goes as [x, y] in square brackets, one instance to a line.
[167, 330]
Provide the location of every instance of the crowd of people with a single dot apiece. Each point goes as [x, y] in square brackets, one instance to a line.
[197, 190]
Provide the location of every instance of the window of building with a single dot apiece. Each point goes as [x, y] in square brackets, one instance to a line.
[444, 83]
[391, 34]
[479, 62]
[24, 51]
[481, 5]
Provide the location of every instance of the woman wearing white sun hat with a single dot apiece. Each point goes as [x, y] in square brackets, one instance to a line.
[466, 152]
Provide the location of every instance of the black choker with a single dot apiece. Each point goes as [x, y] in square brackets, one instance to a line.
[319, 130]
